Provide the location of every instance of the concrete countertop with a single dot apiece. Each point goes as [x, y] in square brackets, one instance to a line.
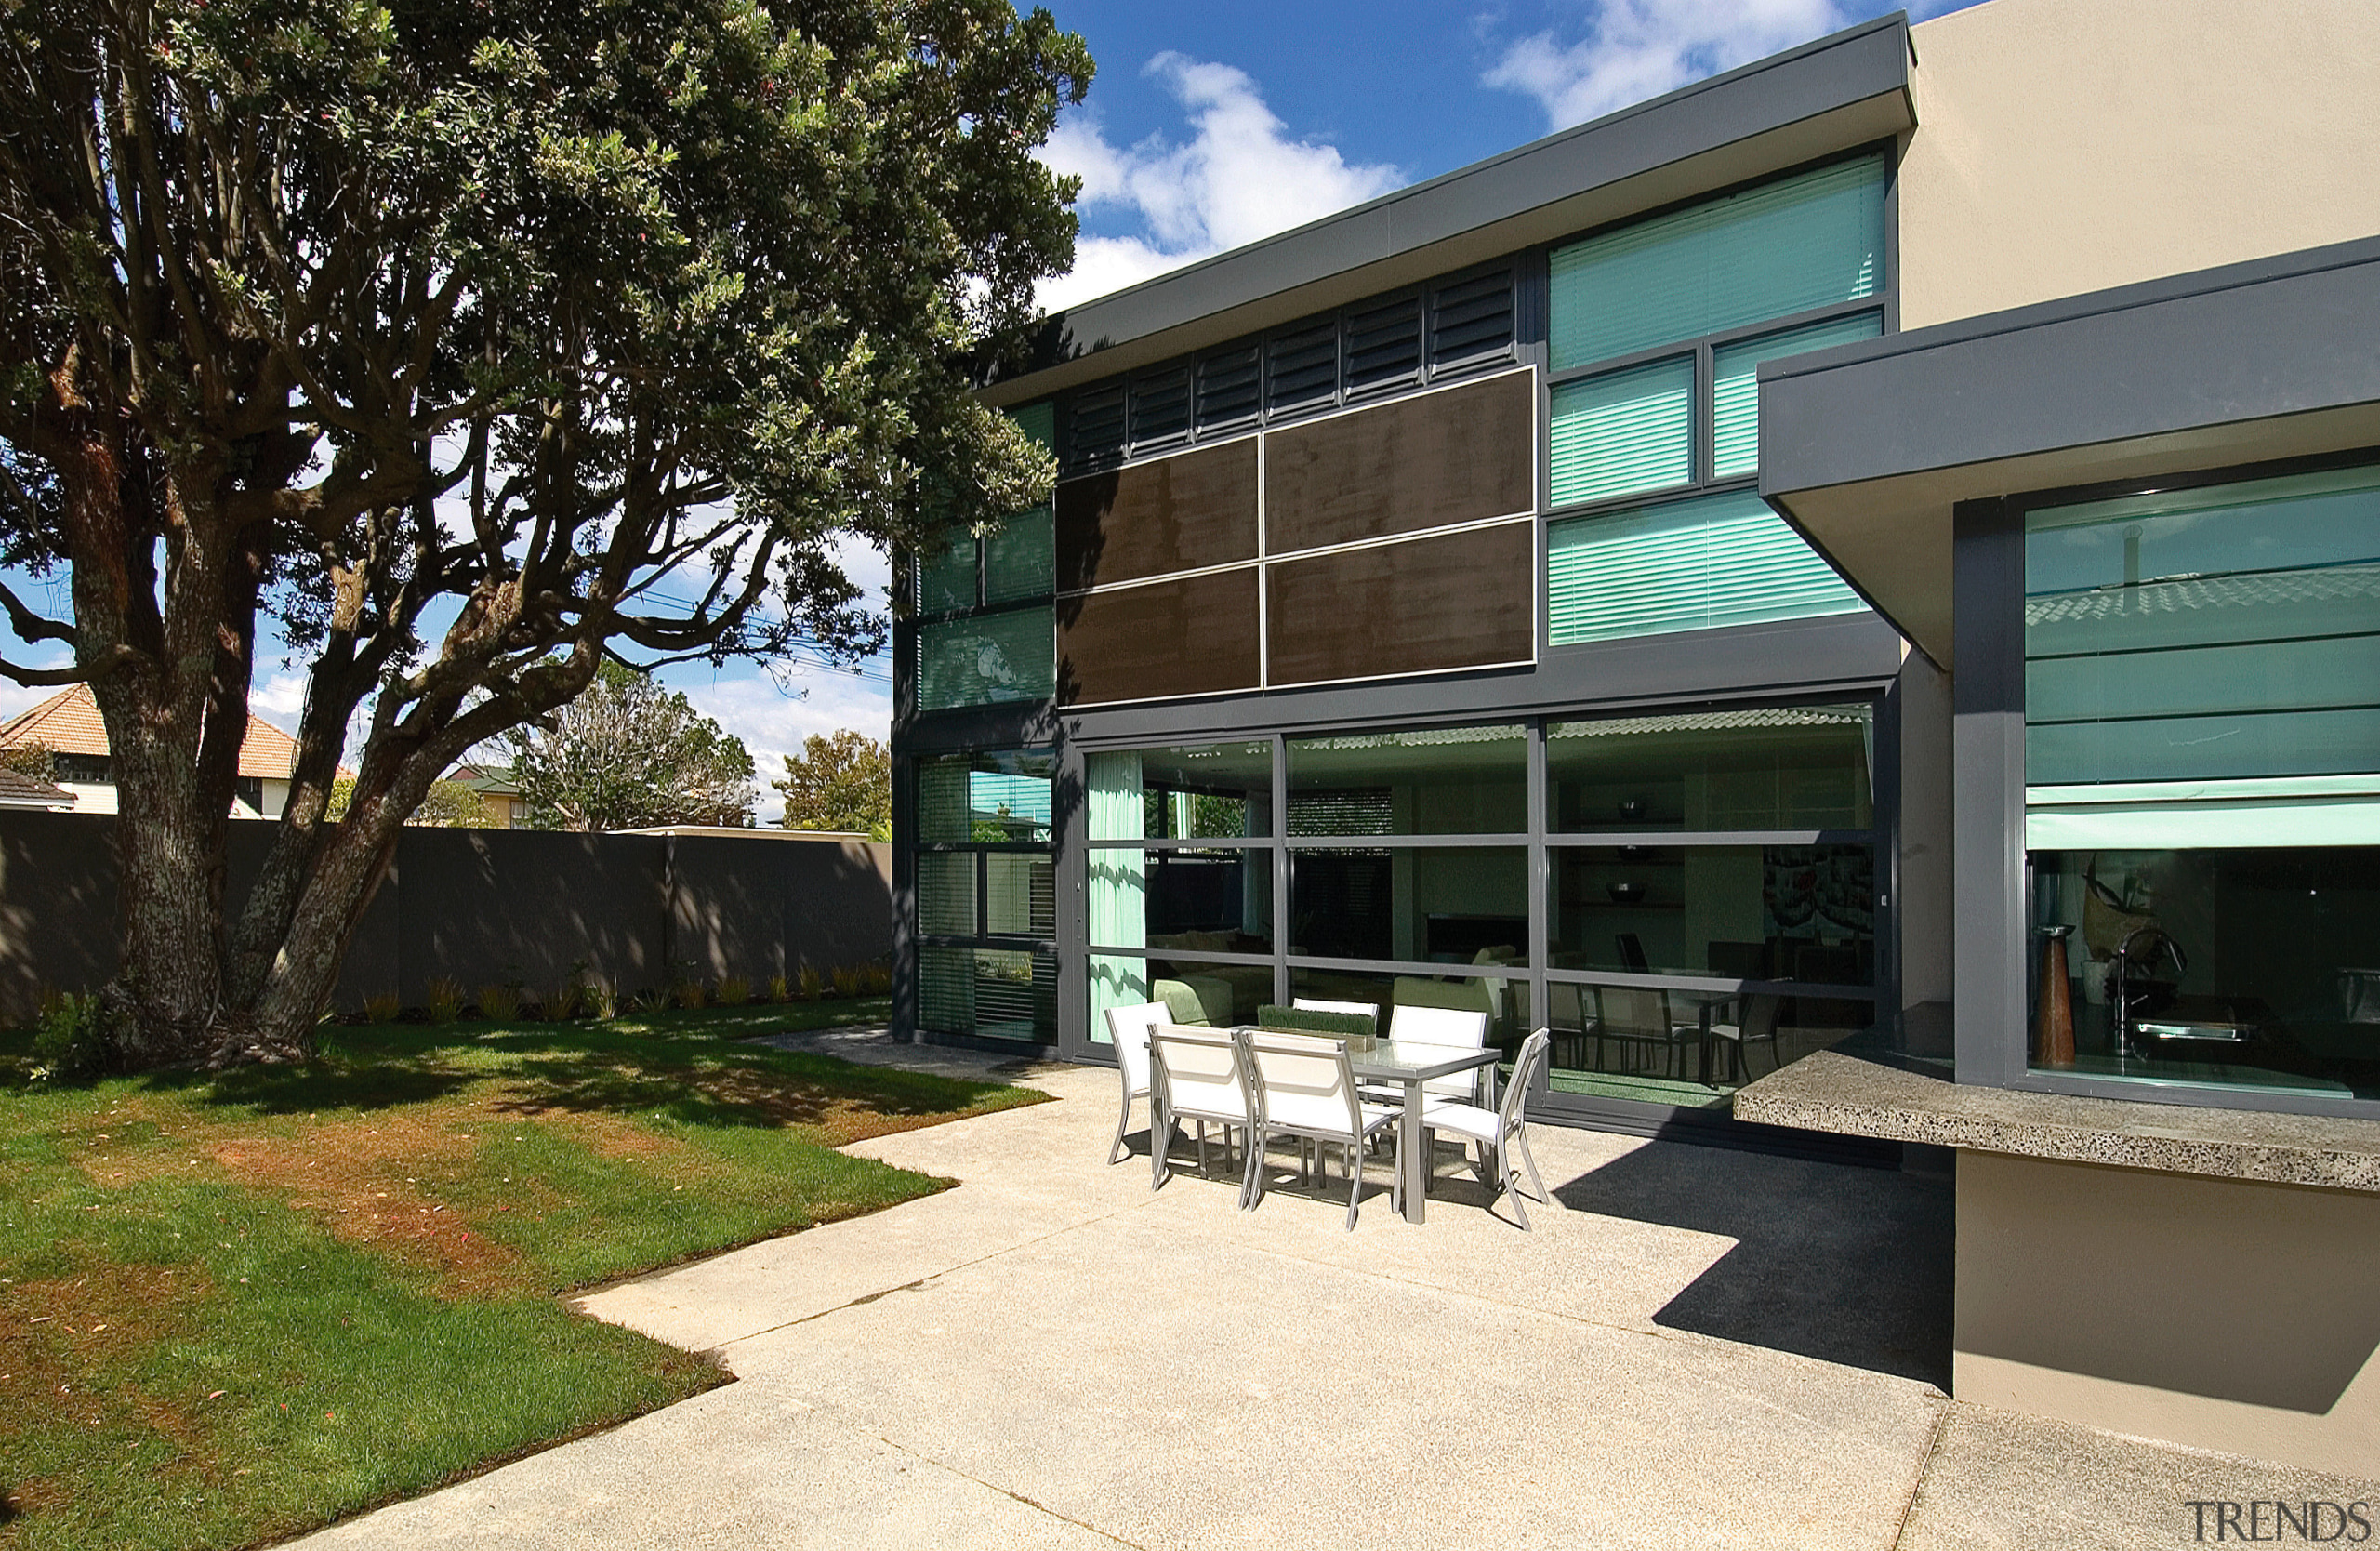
[1854, 1096]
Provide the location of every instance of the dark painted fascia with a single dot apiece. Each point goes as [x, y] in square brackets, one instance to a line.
[1841, 70]
[2246, 341]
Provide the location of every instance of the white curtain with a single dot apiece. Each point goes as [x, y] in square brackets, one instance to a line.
[1117, 906]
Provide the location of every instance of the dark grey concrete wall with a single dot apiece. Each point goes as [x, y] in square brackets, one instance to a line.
[481, 906]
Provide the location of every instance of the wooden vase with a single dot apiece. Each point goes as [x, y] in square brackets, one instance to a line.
[2053, 1021]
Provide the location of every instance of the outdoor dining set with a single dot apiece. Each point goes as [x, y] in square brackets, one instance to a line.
[1433, 1074]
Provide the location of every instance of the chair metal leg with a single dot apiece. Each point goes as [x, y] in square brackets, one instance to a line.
[1508, 1183]
[1520, 1144]
[1160, 1143]
[1117, 1153]
[1355, 1180]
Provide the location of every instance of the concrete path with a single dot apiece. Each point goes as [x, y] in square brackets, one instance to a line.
[1695, 1348]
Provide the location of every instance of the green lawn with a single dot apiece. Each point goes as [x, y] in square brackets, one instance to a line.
[236, 1308]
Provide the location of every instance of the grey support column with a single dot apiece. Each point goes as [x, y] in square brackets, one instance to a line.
[1987, 792]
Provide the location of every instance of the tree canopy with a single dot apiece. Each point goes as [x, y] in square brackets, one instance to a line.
[463, 347]
[629, 754]
[840, 782]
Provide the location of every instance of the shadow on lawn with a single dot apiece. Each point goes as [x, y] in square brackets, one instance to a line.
[696, 1072]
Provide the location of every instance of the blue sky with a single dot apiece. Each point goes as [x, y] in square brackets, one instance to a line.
[1214, 125]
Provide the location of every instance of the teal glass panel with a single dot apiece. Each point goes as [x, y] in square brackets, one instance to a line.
[998, 796]
[1625, 433]
[988, 658]
[1767, 252]
[1735, 385]
[1020, 558]
[947, 893]
[947, 580]
[2227, 632]
[1020, 895]
[1698, 565]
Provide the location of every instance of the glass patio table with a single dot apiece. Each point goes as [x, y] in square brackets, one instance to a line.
[1413, 1063]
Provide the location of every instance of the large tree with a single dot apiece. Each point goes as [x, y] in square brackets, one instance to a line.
[843, 782]
[463, 345]
[629, 754]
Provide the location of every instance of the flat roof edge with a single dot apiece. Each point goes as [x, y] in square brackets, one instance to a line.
[1846, 70]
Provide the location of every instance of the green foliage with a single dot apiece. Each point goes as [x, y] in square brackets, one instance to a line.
[629, 754]
[447, 805]
[780, 989]
[66, 1039]
[500, 1002]
[813, 985]
[735, 991]
[843, 782]
[1309, 1020]
[382, 1007]
[35, 758]
[445, 1002]
[663, 303]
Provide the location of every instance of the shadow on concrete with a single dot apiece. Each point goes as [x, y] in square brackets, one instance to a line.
[1846, 1265]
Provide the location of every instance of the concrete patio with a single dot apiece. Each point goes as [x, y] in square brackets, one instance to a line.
[1694, 1349]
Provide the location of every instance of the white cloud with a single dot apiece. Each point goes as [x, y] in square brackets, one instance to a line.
[773, 717]
[1238, 177]
[1636, 49]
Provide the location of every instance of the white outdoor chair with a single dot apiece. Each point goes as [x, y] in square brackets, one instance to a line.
[1367, 1009]
[1128, 1029]
[1455, 1028]
[1500, 1133]
[1305, 1088]
[1201, 1075]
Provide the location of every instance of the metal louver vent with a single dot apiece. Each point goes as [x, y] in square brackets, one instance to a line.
[1471, 320]
[1228, 390]
[1385, 345]
[1095, 429]
[1160, 408]
[1301, 368]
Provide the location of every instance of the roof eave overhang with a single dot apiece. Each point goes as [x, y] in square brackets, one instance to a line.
[1867, 448]
[1846, 90]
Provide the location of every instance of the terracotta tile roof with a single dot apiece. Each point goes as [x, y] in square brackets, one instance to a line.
[69, 722]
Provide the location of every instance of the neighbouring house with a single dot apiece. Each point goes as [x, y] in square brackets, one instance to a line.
[1850, 592]
[68, 724]
[499, 793]
[20, 790]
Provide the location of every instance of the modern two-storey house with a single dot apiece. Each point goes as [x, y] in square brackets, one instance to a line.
[1845, 592]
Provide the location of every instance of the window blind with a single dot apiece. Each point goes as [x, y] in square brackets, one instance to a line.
[1783, 248]
[947, 580]
[1699, 564]
[1020, 558]
[990, 658]
[1624, 432]
[2229, 632]
[1735, 386]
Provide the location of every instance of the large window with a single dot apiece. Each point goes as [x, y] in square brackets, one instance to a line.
[1709, 872]
[986, 896]
[986, 631]
[1656, 333]
[1708, 905]
[2202, 785]
[1179, 891]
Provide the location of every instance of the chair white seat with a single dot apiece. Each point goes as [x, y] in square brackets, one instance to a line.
[1304, 1086]
[1128, 1031]
[1501, 1133]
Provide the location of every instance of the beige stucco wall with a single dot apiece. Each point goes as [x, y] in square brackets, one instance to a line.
[2065, 146]
[2216, 1313]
